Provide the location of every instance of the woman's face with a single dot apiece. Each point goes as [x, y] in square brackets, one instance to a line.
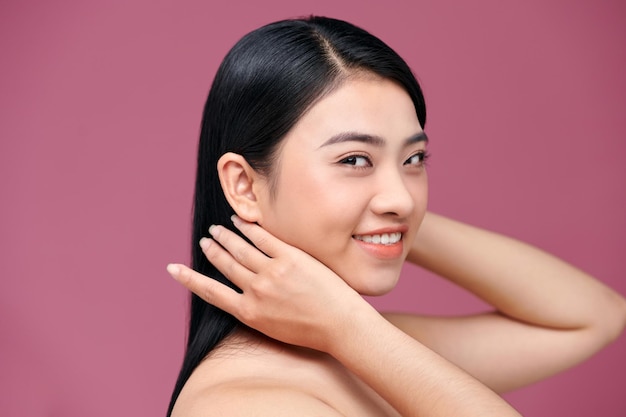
[351, 186]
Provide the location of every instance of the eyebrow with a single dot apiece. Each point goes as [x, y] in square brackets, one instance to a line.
[371, 139]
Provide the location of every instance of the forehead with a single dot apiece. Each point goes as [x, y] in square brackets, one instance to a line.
[371, 105]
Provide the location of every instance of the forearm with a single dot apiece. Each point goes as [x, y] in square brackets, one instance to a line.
[411, 377]
[519, 280]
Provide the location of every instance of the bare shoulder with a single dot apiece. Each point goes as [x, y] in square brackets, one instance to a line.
[243, 399]
[256, 376]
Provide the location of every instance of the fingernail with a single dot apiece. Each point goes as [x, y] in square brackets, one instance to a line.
[205, 242]
[236, 220]
[214, 230]
[173, 269]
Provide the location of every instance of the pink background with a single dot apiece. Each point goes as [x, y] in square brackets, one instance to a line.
[100, 105]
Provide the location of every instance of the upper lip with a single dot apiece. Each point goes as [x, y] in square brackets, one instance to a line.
[393, 229]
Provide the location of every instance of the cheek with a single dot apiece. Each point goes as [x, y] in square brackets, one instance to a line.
[315, 214]
[419, 192]
[302, 202]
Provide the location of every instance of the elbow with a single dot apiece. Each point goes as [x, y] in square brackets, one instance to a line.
[622, 317]
[613, 321]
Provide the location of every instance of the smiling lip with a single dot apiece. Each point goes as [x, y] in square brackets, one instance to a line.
[382, 244]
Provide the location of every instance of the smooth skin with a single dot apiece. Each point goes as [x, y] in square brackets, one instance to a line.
[410, 373]
[353, 165]
[321, 349]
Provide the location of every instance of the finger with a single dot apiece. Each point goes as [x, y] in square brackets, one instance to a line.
[261, 238]
[210, 290]
[239, 249]
[226, 263]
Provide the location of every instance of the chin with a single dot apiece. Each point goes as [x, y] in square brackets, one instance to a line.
[376, 287]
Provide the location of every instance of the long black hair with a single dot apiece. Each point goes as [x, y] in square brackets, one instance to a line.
[267, 81]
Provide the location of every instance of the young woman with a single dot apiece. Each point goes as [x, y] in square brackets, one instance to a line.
[312, 137]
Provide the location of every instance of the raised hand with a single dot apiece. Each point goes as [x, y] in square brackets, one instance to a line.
[286, 294]
[290, 296]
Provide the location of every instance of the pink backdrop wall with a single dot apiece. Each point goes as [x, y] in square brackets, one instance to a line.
[100, 104]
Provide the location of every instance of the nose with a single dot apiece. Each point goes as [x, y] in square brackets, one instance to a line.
[393, 195]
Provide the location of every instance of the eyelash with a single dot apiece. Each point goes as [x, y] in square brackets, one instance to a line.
[423, 156]
[351, 160]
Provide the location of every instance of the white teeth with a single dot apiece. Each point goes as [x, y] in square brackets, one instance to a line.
[384, 239]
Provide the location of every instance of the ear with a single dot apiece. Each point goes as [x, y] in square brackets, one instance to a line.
[241, 185]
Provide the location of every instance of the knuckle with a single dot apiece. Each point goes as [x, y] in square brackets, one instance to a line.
[241, 254]
[207, 294]
[248, 314]
[260, 287]
[282, 269]
[262, 242]
[230, 270]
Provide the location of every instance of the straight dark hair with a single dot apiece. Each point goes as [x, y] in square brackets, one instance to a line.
[267, 81]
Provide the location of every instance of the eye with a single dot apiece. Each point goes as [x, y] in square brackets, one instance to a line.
[359, 161]
[417, 159]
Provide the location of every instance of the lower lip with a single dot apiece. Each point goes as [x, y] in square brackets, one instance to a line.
[393, 251]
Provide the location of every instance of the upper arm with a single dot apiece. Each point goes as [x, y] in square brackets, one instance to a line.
[501, 352]
[248, 401]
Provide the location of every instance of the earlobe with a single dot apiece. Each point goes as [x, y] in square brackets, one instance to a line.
[238, 183]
